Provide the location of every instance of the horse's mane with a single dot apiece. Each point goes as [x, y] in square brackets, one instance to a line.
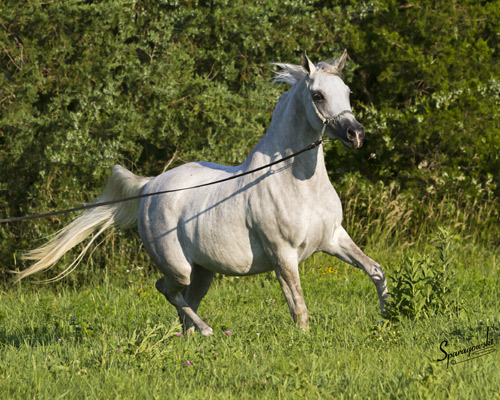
[288, 73]
[291, 73]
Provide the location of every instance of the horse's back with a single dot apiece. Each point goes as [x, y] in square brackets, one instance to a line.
[183, 197]
[190, 174]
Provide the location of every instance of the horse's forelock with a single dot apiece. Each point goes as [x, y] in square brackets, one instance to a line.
[329, 68]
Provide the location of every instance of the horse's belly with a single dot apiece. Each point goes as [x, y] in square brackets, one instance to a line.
[229, 249]
[235, 268]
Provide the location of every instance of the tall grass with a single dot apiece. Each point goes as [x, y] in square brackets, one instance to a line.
[379, 213]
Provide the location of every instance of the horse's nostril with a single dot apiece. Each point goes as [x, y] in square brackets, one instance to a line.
[351, 133]
[355, 134]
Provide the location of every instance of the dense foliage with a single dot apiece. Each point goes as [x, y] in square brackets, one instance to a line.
[152, 84]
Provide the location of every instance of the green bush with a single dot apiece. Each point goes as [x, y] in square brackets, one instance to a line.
[422, 287]
[86, 84]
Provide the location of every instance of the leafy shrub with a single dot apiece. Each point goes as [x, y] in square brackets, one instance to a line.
[423, 287]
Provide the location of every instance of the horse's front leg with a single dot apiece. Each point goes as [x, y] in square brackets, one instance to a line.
[287, 273]
[343, 247]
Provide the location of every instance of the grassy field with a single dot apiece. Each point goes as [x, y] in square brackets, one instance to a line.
[108, 334]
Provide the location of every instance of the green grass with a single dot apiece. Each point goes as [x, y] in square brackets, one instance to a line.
[115, 337]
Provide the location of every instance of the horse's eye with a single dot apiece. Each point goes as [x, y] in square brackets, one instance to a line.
[317, 96]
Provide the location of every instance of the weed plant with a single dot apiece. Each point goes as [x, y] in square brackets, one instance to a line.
[422, 286]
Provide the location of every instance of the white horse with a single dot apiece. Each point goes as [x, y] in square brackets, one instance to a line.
[270, 220]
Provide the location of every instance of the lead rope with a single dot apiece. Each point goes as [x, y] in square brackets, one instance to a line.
[141, 196]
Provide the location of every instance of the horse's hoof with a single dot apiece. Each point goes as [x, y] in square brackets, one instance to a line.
[206, 331]
[304, 326]
[189, 331]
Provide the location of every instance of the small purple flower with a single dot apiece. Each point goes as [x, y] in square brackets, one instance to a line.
[119, 351]
[59, 340]
[178, 334]
[188, 363]
[198, 350]
[228, 332]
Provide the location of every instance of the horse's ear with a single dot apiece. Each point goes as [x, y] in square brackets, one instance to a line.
[340, 62]
[308, 66]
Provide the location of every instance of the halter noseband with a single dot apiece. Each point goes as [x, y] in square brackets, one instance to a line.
[326, 121]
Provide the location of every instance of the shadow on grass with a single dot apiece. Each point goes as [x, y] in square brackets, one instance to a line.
[469, 333]
[42, 335]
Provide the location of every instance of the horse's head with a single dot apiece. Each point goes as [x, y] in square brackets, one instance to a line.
[328, 102]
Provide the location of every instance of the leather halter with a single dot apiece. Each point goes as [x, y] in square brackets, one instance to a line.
[326, 121]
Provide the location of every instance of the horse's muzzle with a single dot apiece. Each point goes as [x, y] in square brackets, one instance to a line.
[349, 131]
[355, 136]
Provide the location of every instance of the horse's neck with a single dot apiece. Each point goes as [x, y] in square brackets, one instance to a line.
[289, 133]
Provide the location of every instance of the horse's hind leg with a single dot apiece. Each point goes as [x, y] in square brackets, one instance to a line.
[172, 289]
[343, 247]
[201, 279]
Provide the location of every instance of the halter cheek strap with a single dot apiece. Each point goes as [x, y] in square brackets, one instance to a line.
[326, 121]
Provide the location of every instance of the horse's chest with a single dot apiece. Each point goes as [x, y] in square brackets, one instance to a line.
[298, 216]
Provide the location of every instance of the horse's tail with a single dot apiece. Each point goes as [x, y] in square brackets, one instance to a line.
[122, 183]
